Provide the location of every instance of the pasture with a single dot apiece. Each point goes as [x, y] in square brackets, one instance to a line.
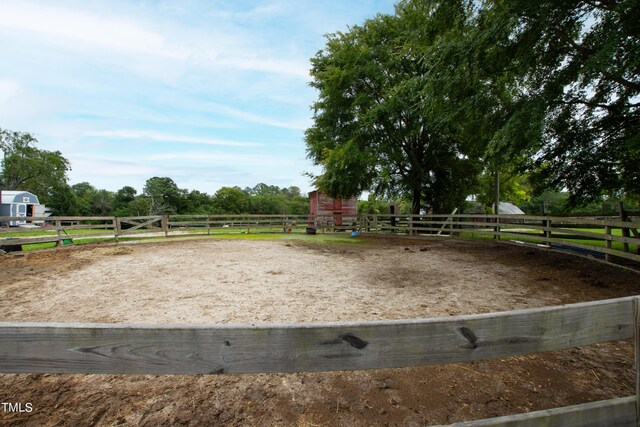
[299, 279]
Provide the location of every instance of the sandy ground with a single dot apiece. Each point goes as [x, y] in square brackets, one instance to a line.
[286, 281]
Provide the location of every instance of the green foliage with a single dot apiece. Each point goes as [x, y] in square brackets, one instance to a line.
[231, 200]
[421, 103]
[122, 199]
[382, 121]
[373, 205]
[198, 203]
[514, 188]
[91, 201]
[271, 199]
[165, 196]
[580, 61]
[27, 168]
[558, 203]
[62, 200]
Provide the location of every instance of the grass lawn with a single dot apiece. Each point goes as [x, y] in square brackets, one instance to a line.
[298, 233]
[327, 238]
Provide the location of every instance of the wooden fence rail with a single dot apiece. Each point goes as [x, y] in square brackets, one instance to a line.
[594, 237]
[223, 349]
[119, 349]
[611, 240]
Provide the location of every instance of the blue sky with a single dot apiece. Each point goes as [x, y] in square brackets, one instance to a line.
[210, 93]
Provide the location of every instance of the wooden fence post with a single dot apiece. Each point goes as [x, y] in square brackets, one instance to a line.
[636, 339]
[547, 232]
[208, 224]
[115, 225]
[58, 229]
[625, 230]
[165, 225]
[607, 232]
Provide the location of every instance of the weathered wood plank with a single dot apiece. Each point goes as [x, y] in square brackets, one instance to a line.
[20, 218]
[619, 412]
[520, 218]
[148, 223]
[200, 349]
[78, 218]
[595, 236]
[31, 240]
[139, 218]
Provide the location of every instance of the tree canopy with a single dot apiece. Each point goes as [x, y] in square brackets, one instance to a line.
[426, 101]
[28, 168]
[371, 130]
[580, 62]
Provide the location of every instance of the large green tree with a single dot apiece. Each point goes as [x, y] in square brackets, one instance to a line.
[581, 63]
[91, 201]
[164, 195]
[377, 125]
[231, 200]
[122, 201]
[26, 167]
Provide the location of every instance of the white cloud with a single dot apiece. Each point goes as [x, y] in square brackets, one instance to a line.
[269, 65]
[157, 136]
[255, 118]
[265, 160]
[9, 89]
[21, 107]
[124, 82]
[86, 29]
[85, 166]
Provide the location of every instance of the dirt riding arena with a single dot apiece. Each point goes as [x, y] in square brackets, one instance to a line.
[257, 281]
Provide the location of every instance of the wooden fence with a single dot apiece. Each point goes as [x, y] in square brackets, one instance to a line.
[600, 238]
[611, 240]
[227, 349]
[61, 229]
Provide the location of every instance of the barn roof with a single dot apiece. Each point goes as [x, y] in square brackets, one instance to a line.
[507, 208]
[13, 196]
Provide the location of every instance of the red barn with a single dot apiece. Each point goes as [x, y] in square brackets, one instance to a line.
[343, 211]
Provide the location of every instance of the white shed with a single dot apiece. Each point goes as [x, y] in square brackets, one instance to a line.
[18, 204]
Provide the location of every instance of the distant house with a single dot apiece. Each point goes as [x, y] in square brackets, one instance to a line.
[343, 211]
[19, 204]
[505, 208]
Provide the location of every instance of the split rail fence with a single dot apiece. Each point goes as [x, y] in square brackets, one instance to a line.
[243, 349]
[599, 238]
[223, 349]
[616, 241]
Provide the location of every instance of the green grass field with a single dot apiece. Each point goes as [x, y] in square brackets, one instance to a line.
[328, 238]
[273, 233]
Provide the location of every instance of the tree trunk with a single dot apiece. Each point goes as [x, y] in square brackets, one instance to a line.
[415, 202]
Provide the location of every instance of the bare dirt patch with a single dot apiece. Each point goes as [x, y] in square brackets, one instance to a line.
[285, 281]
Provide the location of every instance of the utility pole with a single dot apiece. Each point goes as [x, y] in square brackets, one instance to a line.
[497, 209]
[497, 199]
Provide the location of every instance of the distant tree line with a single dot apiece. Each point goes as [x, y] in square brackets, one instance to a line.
[44, 173]
[161, 195]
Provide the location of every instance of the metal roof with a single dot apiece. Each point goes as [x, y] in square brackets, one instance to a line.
[9, 197]
[507, 208]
